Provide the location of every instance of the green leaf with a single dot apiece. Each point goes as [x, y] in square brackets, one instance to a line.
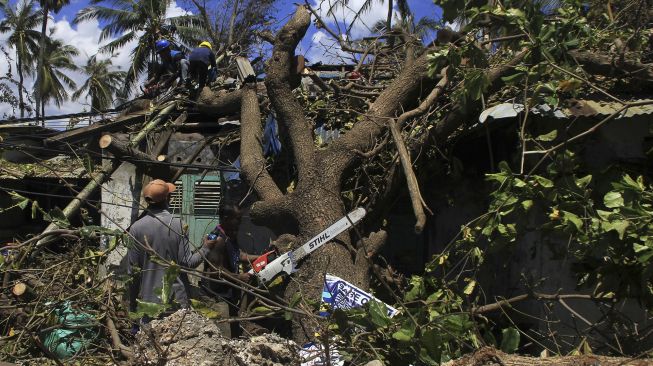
[490, 226]
[417, 289]
[379, 314]
[548, 136]
[57, 217]
[628, 183]
[619, 226]
[35, 209]
[513, 79]
[295, 299]
[470, 287]
[504, 167]
[150, 309]
[206, 311]
[572, 218]
[431, 341]
[170, 276]
[613, 200]
[475, 84]
[527, 204]
[544, 182]
[509, 340]
[262, 310]
[406, 333]
[287, 315]
[584, 181]
[645, 257]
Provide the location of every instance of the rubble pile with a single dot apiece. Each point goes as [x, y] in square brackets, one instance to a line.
[186, 338]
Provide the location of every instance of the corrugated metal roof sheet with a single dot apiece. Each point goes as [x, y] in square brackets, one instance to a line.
[574, 108]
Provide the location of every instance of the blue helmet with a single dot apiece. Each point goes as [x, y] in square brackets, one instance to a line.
[162, 44]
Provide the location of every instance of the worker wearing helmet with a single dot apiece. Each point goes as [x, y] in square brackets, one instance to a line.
[199, 60]
[173, 65]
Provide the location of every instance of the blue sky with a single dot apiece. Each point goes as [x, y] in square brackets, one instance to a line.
[316, 45]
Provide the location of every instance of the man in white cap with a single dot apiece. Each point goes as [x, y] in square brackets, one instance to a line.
[159, 237]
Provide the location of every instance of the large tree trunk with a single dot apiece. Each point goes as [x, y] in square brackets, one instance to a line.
[316, 201]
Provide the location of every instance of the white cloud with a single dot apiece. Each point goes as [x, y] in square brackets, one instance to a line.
[323, 47]
[85, 37]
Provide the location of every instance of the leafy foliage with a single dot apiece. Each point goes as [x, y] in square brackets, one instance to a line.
[603, 222]
[102, 84]
[54, 82]
[19, 21]
[430, 329]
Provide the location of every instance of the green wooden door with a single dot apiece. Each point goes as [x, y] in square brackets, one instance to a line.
[196, 202]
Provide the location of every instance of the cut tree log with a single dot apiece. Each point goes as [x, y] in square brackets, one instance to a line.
[23, 291]
[19, 289]
[125, 151]
[122, 149]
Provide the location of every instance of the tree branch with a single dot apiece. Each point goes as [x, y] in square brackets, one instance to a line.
[411, 180]
[605, 65]
[253, 162]
[288, 109]
[401, 92]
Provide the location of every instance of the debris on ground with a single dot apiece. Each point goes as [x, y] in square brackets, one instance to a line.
[186, 338]
[488, 356]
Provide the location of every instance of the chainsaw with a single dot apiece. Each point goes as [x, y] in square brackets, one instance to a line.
[269, 265]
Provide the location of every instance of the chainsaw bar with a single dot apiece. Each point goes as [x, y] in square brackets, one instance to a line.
[286, 262]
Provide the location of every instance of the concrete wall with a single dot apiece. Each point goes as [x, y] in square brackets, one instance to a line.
[120, 205]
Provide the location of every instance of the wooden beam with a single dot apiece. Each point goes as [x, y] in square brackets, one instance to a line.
[165, 135]
[79, 134]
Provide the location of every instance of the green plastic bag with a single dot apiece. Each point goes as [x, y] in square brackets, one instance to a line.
[78, 330]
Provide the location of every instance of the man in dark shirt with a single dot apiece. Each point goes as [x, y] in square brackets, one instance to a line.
[199, 60]
[159, 235]
[225, 256]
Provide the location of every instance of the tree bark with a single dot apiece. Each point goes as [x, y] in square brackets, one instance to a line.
[219, 105]
[613, 66]
[21, 81]
[39, 68]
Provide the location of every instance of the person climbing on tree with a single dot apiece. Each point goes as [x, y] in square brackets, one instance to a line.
[200, 59]
[173, 65]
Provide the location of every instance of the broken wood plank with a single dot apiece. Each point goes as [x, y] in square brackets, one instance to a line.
[81, 133]
[245, 69]
[165, 136]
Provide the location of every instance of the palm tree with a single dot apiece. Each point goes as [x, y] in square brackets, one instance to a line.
[57, 58]
[46, 6]
[126, 19]
[20, 22]
[102, 84]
